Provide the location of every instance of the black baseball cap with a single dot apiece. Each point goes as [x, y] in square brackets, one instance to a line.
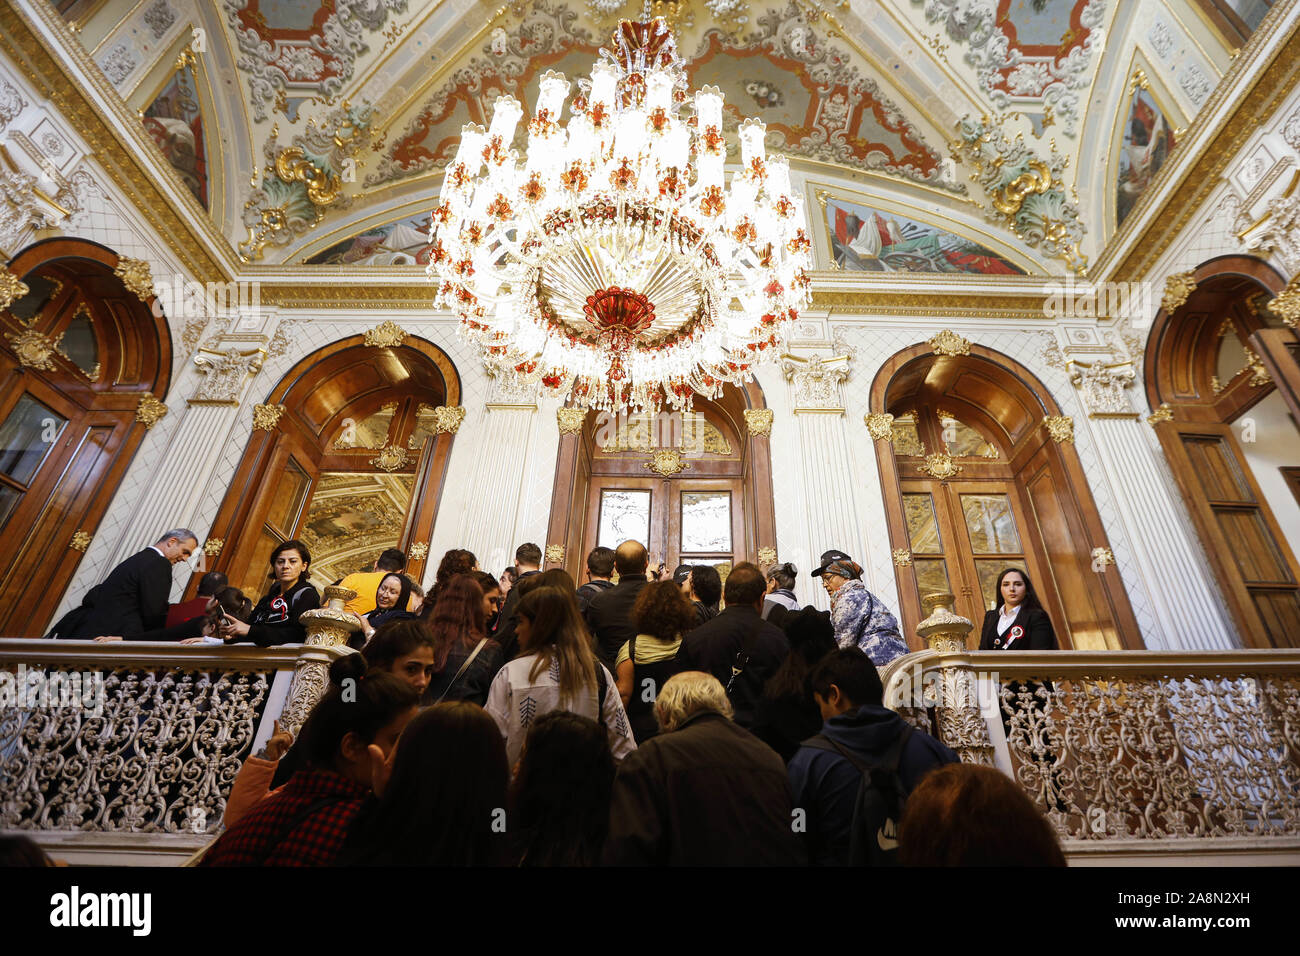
[829, 558]
[681, 574]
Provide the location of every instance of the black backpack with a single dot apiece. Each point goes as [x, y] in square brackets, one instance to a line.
[879, 804]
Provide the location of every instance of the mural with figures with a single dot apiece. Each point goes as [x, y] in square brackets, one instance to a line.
[1146, 144]
[864, 239]
[175, 123]
[401, 243]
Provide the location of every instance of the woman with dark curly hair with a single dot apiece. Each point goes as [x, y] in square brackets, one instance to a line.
[661, 615]
[559, 804]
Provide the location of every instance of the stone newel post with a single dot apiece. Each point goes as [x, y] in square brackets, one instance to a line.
[957, 712]
[328, 626]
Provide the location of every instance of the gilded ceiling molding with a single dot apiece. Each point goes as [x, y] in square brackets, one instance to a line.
[1027, 193]
[880, 425]
[667, 462]
[387, 335]
[149, 412]
[758, 421]
[33, 349]
[447, 419]
[135, 276]
[570, 420]
[266, 417]
[941, 466]
[1060, 427]
[190, 231]
[12, 288]
[1178, 288]
[930, 304]
[1274, 82]
[948, 342]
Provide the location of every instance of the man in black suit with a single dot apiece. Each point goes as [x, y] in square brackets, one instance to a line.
[609, 615]
[134, 597]
[739, 643]
[528, 561]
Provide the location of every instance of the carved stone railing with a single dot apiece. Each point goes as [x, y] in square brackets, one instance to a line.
[129, 755]
[1133, 756]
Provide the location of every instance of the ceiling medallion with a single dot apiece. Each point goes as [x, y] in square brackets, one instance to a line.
[941, 466]
[948, 342]
[391, 458]
[667, 462]
[613, 258]
[388, 335]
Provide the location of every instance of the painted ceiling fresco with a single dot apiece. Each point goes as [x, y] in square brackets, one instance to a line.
[1147, 140]
[175, 123]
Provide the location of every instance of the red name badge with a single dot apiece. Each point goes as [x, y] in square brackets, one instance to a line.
[1015, 632]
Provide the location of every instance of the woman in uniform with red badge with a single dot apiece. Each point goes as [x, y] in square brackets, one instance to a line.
[1020, 624]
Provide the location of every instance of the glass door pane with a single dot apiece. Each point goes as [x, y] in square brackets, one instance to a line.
[988, 571]
[27, 436]
[706, 522]
[991, 524]
[624, 515]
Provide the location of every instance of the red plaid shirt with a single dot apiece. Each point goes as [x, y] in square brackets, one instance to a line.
[302, 824]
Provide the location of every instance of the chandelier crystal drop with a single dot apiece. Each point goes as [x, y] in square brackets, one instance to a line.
[614, 259]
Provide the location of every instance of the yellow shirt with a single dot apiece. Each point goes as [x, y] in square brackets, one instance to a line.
[649, 649]
[365, 583]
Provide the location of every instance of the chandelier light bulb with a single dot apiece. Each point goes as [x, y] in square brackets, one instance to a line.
[614, 260]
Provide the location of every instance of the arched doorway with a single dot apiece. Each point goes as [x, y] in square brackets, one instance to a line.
[1231, 441]
[352, 464]
[975, 482]
[696, 487]
[79, 353]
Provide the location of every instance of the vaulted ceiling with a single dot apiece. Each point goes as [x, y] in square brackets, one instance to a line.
[317, 130]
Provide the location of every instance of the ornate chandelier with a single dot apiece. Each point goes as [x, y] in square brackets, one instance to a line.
[613, 259]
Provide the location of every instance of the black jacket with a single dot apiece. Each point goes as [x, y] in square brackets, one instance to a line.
[1038, 635]
[474, 683]
[589, 590]
[712, 647]
[707, 794]
[609, 616]
[131, 600]
[505, 632]
[275, 619]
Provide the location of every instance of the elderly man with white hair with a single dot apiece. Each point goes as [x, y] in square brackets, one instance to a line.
[705, 792]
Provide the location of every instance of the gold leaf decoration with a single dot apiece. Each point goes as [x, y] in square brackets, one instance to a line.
[1162, 414]
[12, 288]
[448, 419]
[418, 551]
[387, 335]
[880, 425]
[33, 348]
[766, 557]
[1178, 288]
[948, 342]
[759, 421]
[80, 541]
[555, 554]
[902, 557]
[149, 412]
[266, 417]
[1102, 558]
[1286, 306]
[391, 458]
[667, 462]
[212, 547]
[135, 275]
[570, 420]
[941, 466]
[1060, 427]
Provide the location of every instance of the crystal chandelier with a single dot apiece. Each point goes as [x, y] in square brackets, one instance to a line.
[614, 260]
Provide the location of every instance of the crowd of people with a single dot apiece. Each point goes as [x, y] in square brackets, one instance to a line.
[640, 718]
